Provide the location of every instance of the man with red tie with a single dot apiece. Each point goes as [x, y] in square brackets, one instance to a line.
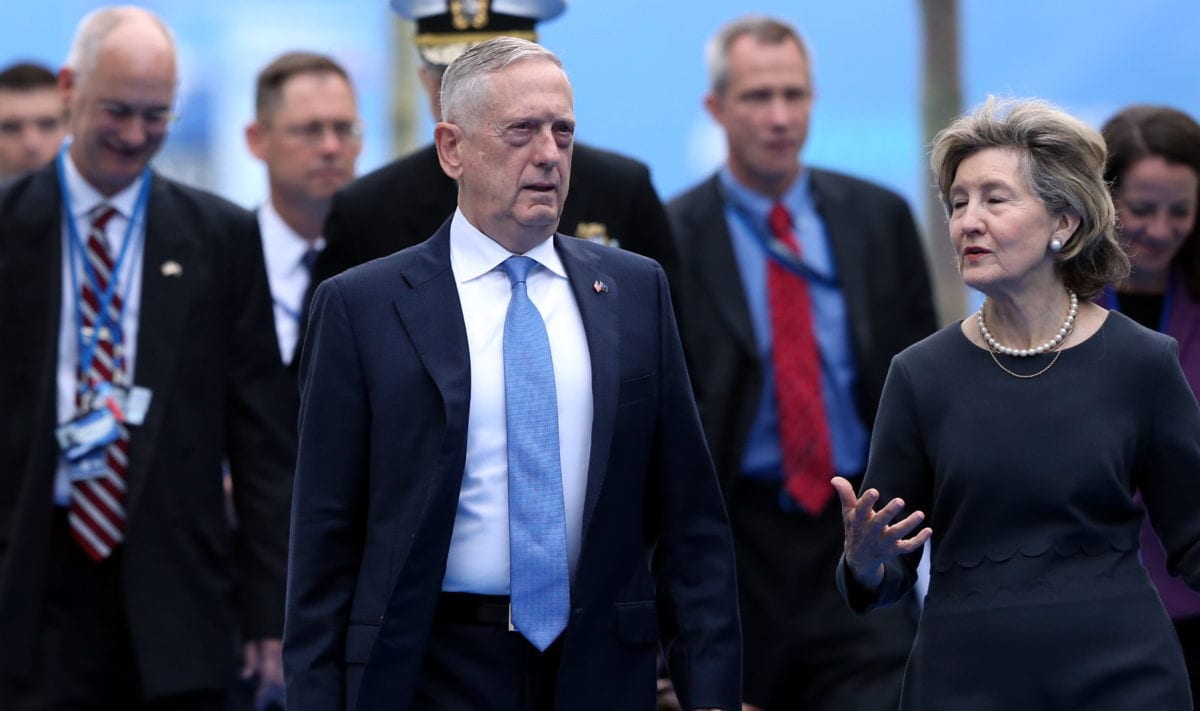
[138, 354]
[797, 286]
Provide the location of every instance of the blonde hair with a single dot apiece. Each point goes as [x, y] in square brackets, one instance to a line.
[1062, 163]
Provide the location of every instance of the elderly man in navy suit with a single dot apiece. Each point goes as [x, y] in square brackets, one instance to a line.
[504, 499]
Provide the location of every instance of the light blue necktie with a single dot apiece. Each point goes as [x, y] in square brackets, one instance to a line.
[537, 530]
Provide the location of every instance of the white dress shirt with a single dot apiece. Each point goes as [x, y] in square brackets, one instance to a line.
[479, 556]
[84, 199]
[283, 251]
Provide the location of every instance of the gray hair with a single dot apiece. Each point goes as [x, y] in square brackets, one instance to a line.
[765, 30]
[1062, 163]
[463, 85]
[95, 27]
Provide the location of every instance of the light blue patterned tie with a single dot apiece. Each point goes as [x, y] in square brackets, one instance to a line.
[537, 531]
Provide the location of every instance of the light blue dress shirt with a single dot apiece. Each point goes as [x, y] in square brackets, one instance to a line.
[746, 214]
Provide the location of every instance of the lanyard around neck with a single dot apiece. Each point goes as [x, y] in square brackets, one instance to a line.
[78, 252]
[774, 247]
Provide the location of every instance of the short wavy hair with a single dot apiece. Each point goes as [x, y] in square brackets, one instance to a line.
[464, 85]
[1139, 132]
[763, 29]
[1062, 162]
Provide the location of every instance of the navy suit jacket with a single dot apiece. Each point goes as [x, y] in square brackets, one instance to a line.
[383, 427]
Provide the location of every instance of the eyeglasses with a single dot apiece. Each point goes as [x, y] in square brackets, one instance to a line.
[313, 132]
[120, 112]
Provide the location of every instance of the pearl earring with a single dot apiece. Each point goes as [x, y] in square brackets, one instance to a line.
[1056, 245]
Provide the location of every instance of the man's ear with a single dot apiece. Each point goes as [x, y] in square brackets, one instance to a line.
[256, 139]
[448, 138]
[713, 105]
[67, 83]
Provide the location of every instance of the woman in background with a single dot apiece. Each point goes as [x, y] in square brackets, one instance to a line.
[1154, 170]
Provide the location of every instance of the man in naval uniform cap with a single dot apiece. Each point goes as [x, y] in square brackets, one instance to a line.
[611, 201]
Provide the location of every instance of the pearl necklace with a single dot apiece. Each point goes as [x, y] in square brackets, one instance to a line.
[1046, 347]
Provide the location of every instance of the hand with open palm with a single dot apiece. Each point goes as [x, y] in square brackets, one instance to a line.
[871, 538]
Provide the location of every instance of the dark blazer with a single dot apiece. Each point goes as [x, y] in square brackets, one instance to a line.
[207, 351]
[880, 264]
[404, 202]
[383, 427]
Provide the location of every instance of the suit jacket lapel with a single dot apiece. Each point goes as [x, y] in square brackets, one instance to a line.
[163, 311]
[715, 267]
[36, 270]
[849, 258]
[426, 299]
[598, 310]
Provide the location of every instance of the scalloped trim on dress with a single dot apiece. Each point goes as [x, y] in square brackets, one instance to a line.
[1036, 550]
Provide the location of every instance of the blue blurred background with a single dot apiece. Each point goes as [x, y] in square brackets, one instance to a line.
[638, 72]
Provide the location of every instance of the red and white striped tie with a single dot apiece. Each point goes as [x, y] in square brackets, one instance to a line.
[97, 514]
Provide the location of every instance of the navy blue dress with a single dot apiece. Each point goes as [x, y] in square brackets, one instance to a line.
[1037, 598]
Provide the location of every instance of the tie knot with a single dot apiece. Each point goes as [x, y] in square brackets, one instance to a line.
[517, 269]
[309, 260]
[101, 214]
[780, 221]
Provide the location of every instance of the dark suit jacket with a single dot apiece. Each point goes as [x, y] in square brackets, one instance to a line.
[881, 266]
[405, 201]
[207, 351]
[383, 427]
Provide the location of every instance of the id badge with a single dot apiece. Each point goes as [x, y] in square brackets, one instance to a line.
[128, 405]
[112, 398]
[137, 403]
[90, 466]
[86, 433]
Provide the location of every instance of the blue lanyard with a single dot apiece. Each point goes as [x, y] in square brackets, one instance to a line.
[1168, 299]
[293, 314]
[776, 250]
[87, 347]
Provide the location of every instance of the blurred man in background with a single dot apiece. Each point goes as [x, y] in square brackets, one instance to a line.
[612, 200]
[31, 119]
[797, 287]
[140, 355]
[308, 135]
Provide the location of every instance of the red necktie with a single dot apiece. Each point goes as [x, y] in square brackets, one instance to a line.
[803, 429]
[97, 514]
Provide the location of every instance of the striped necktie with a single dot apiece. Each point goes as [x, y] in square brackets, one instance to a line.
[97, 514]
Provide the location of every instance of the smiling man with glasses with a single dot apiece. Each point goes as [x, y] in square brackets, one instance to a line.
[138, 357]
[308, 135]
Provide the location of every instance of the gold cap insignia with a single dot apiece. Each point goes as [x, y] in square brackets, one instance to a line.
[595, 232]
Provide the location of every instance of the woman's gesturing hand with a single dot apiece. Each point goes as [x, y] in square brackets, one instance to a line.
[871, 537]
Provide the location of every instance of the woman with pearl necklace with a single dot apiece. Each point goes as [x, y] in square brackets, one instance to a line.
[1017, 440]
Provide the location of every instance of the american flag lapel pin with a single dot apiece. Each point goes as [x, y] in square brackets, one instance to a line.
[600, 287]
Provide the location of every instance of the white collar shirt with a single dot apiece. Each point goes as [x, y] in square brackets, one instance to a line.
[478, 561]
[284, 251]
